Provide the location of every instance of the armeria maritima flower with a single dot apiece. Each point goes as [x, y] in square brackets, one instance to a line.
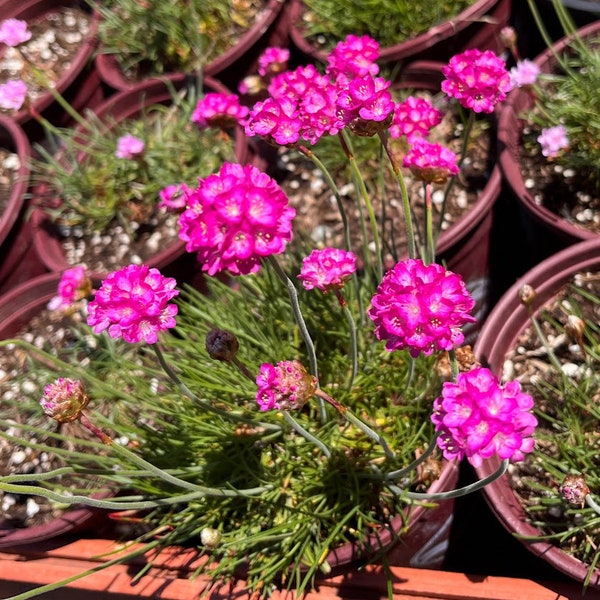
[430, 162]
[414, 117]
[13, 94]
[218, 110]
[421, 307]
[355, 56]
[134, 303]
[477, 418]
[327, 269]
[272, 61]
[477, 79]
[173, 197]
[129, 146]
[524, 73]
[553, 140]
[284, 386]
[64, 399]
[14, 32]
[74, 285]
[235, 218]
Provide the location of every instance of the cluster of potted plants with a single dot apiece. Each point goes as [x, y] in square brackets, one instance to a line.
[268, 370]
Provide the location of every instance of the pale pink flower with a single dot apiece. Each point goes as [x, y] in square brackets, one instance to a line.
[272, 61]
[421, 307]
[353, 57]
[64, 399]
[478, 418]
[430, 162]
[174, 197]
[74, 285]
[414, 117]
[218, 110]
[14, 32]
[477, 79]
[553, 140]
[524, 73]
[13, 94]
[284, 386]
[129, 146]
[134, 303]
[327, 269]
[234, 218]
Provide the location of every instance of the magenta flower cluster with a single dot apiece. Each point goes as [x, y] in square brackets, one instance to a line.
[273, 60]
[553, 140]
[477, 79]
[234, 218]
[174, 197]
[477, 418]
[430, 162]
[354, 56]
[284, 386]
[327, 269]
[414, 117]
[218, 110]
[134, 303]
[74, 285]
[129, 146]
[421, 307]
[14, 32]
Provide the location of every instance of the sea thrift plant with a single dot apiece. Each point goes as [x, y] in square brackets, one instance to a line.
[174, 197]
[524, 73]
[74, 285]
[129, 146]
[414, 117]
[327, 269]
[64, 399]
[431, 162]
[284, 386]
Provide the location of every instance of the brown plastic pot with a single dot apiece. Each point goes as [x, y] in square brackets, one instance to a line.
[497, 337]
[478, 26]
[123, 105]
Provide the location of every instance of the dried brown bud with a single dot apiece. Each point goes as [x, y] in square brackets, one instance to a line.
[210, 537]
[574, 489]
[221, 345]
[575, 327]
[508, 37]
[527, 295]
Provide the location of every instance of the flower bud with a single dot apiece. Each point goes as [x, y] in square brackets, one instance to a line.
[508, 37]
[210, 537]
[527, 295]
[221, 345]
[575, 327]
[64, 400]
[574, 489]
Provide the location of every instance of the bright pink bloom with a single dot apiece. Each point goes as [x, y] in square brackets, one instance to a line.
[133, 303]
[129, 146]
[221, 111]
[174, 197]
[478, 80]
[74, 285]
[12, 94]
[478, 418]
[524, 73]
[273, 60]
[414, 117]
[284, 386]
[64, 399]
[327, 269]
[553, 140]
[14, 32]
[421, 307]
[353, 57]
[235, 218]
[275, 119]
[430, 162]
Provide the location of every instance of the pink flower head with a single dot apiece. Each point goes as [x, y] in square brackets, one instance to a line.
[477, 418]
[133, 303]
[221, 111]
[14, 32]
[272, 61]
[64, 400]
[275, 119]
[327, 269]
[284, 386]
[553, 140]
[12, 94]
[421, 307]
[478, 80]
[129, 146]
[174, 197]
[74, 285]
[414, 118]
[234, 218]
[353, 57]
[524, 73]
[430, 162]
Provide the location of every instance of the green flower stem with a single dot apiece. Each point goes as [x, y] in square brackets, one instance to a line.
[189, 394]
[44, 589]
[352, 418]
[430, 241]
[353, 335]
[589, 500]
[463, 491]
[306, 434]
[415, 463]
[367, 200]
[410, 232]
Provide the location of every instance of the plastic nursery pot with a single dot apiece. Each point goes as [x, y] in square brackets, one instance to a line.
[478, 26]
[230, 67]
[18, 259]
[123, 105]
[497, 337]
[17, 308]
[546, 232]
[79, 84]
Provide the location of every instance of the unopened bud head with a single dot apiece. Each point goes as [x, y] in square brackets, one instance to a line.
[64, 400]
[574, 489]
[575, 327]
[527, 295]
[221, 345]
[210, 537]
